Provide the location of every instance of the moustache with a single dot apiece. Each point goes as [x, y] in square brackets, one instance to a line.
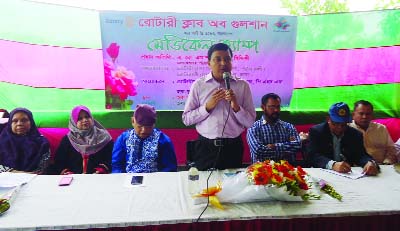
[276, 114]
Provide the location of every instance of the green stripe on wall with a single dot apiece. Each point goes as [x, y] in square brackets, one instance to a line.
[384, 97]
[348, 30]
[308, 105]
[47, 24]
[53, 99]
[108, 118]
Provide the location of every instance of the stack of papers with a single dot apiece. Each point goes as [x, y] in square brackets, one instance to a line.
[11, 182]
[354, 174]
[9, 179]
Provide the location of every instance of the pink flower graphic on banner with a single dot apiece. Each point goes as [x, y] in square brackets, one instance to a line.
[108, 67]
[119, 84]
[122, 83]
[113, 51]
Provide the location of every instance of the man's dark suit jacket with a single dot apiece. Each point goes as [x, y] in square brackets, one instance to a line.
[320, 148]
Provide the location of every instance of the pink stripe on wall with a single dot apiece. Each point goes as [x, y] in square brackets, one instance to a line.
[347, 67]
[47, 66]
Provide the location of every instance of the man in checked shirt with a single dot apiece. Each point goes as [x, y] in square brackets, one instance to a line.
[271, 138]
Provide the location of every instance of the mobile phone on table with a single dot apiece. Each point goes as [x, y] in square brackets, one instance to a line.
[65, 181]
[137, 180]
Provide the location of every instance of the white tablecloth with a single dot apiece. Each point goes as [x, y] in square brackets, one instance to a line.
[98, 201]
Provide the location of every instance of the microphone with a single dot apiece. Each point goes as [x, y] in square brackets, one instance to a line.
[226, 76]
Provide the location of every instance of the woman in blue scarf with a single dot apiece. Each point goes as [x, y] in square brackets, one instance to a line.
[22, 147]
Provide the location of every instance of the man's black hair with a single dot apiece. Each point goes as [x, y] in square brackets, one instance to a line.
[218, 47]
[363, 102]
[265, 98]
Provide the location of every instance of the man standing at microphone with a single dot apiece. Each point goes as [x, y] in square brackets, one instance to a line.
[221, 109]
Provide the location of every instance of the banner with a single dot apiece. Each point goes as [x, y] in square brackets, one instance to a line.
[154, 58]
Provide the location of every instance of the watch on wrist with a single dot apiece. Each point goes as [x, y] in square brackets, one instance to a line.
[376, 164]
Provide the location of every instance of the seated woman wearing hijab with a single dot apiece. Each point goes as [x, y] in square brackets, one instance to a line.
[22, 147]
[86, 148]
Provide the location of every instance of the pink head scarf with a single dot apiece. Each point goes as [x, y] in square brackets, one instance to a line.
[89, 141]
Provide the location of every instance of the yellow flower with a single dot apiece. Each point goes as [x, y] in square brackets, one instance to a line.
[211, 194]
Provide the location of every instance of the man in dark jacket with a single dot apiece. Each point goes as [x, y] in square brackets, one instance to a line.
[334, 145]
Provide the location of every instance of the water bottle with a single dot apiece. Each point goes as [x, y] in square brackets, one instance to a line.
[193, 180]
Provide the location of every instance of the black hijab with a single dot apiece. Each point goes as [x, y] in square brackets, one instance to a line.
[22, 152]
[5, 115]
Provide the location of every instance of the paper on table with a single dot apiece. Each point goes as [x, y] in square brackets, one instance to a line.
[9, 179]
[354, 174]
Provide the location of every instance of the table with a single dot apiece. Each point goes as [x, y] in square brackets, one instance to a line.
[162, 203]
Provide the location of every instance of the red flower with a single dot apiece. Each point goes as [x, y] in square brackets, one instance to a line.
[113, 51]
[276, 179]
[278, 173]
[288, 166]
[301, 171]
[303, 186]
[261, 179]
[288, 176]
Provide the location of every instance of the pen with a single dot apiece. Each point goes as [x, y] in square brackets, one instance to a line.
[344, 159]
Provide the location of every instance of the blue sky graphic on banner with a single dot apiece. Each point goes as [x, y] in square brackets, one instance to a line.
[154, 58]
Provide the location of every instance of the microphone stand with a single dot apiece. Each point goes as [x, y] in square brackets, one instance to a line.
[215, 165]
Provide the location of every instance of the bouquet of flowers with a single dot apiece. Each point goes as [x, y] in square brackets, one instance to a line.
[265, 181]
[280, 175]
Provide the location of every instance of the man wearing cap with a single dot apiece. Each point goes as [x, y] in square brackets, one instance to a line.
[143, 148]
[334, 145]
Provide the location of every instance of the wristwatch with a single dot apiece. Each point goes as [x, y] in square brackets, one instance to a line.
[376, 164]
